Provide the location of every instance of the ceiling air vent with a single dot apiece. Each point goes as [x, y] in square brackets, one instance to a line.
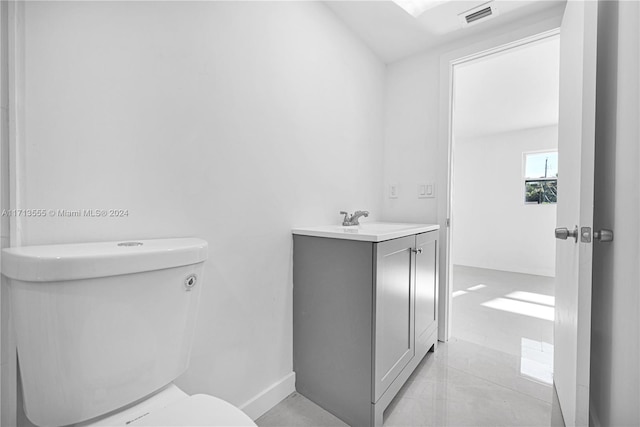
[477, 14]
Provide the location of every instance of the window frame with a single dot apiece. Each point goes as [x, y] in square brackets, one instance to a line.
[526, 179]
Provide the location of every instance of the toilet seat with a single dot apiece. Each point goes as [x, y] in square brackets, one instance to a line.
[173, 407]
[196, 410]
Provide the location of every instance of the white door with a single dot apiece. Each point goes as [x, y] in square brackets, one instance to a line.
[576, 145]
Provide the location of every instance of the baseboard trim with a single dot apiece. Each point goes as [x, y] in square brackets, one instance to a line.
[532, 271]
[267, 399]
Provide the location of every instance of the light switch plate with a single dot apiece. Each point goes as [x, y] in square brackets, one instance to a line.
[426, 190]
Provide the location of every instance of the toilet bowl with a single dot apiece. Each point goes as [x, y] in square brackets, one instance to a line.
[173, 407]
[103, 329]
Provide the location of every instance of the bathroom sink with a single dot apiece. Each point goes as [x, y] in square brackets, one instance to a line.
[383, 227]
[368, 232]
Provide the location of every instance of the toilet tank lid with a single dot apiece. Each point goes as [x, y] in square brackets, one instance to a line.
[50, 263]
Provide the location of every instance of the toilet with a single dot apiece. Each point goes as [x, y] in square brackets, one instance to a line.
[103, 329]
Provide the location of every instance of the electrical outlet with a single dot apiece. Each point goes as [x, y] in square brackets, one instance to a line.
[393, 191]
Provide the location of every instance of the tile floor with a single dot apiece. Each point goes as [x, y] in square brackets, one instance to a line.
[503, 310]
[494, 372]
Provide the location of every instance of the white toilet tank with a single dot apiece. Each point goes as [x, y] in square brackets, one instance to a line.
[101, 325]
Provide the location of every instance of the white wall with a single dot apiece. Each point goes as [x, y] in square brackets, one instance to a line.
[7, 120]
[231, 121]
[492, 227]
[5, 366]
[615, 334]
[411, 137]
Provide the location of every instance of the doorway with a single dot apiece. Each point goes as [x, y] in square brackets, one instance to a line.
[503, 172]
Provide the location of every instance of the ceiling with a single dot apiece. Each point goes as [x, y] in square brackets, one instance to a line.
[394, 34]
[512, 90]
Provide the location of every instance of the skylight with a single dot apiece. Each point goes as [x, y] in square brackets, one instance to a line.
[418, 7]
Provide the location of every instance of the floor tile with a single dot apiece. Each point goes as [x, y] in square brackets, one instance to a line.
[296, 410]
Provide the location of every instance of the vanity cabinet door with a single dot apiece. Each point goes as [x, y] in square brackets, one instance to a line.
[426, 281]
[394, 311]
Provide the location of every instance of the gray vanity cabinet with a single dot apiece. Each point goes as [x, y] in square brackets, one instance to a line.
[365, 314]
[394, 311]
[426, 295]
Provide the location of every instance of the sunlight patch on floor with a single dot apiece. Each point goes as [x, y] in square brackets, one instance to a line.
[533, 297]
[536, 360]
[520, 307]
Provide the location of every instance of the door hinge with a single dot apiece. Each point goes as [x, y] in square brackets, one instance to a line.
[448, 222]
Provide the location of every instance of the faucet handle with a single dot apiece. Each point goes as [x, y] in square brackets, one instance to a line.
[345, 220]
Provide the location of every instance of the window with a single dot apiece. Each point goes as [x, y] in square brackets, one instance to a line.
[418, 7]
[541, 177]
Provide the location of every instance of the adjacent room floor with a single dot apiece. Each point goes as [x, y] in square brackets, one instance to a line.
[509, 312]
[495, 371]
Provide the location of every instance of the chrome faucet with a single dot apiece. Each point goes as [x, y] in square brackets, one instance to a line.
[353, 219]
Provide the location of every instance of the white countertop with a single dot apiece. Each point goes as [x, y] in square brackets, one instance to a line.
[367, 231]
